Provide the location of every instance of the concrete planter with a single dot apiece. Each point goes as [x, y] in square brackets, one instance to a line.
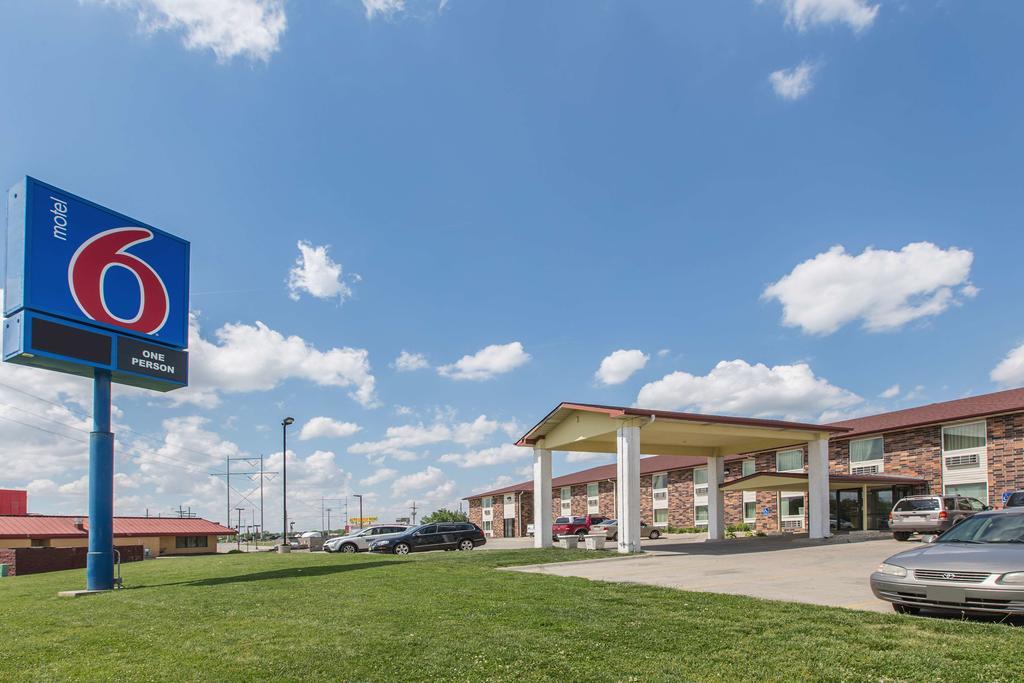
[569, 542]
[595, 541]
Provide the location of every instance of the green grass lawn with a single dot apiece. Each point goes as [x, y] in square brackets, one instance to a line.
[452, 616]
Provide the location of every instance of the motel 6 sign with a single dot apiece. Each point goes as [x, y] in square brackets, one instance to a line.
[89, 288]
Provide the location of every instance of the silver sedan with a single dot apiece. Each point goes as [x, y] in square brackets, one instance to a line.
[975, 567]
[610, 527]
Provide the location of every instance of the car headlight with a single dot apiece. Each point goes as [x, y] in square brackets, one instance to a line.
[891, 569]
[1013, 579]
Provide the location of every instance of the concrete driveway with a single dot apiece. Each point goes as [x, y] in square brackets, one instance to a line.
[833, 574]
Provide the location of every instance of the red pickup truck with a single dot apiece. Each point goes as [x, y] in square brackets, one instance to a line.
[578, 526]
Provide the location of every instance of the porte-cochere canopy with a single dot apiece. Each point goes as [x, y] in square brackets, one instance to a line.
[628, 432]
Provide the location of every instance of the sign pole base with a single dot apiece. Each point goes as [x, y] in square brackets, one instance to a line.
[99, 568]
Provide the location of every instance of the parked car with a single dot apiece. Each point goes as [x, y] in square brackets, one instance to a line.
[977, 566]
[578, 526]
[1015, 500]
[610, 528]
[440, 536]
[931, 514]
[360, 540]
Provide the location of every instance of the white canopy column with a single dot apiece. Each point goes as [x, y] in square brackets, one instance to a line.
[541, 497]
[628, 487]
[716, 500]
[818, 489]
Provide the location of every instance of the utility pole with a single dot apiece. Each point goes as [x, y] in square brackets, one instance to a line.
[328, 520]
[285, 546]
[238, 535]
[360, 497]
[414, 513]
[261, 473]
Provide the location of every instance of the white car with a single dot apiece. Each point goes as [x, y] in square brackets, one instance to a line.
[359, 541]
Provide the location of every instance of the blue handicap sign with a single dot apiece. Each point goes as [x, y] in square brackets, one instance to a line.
[1006, 496]
[766, 511]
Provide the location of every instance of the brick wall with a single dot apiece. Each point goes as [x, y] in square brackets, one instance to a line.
[23, 561]
[1005, 456]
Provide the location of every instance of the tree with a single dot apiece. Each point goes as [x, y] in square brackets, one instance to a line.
[445, 515]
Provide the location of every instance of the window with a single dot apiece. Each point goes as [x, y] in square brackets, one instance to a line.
[750, 511]
[562, 520]
[700, 514]
[659, 491]
[661, 517]
[867, 456]
[593, 499]
[792, 506]
[487, 502]
[445, 528]
[566, 497]
[40, 543]
[977, 490]
[700, 481]
[917, 505]
[960, 437]
[749, 467]
[789, 461]
[191, 541]
[659, 481]
[488, 526]
[963, 460]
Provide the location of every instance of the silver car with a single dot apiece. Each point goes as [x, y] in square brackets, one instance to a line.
[610, 528]
[360, 540]
[930, 514]
[977, 566]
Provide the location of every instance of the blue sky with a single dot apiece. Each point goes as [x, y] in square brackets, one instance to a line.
[790, 208]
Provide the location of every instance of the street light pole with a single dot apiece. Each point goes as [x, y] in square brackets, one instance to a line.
[360, 497]
[285, 545]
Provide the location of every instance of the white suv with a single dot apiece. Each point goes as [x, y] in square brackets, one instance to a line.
[359, 541]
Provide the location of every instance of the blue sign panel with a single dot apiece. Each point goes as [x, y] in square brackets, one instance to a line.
[1006, 496]
[766, 512]
[73, 259]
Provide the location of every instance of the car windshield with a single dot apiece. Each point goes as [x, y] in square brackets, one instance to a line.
[562, 520]
[916, 504]
[1016, 500]
[986, 529]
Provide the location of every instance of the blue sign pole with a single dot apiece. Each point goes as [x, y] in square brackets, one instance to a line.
[99, 570]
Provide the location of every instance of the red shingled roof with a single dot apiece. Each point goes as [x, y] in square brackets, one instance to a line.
[654, 463]
[1009, 401]
[53, 526]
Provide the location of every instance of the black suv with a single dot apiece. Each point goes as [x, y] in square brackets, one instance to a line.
[1016, 500]
[440, 536]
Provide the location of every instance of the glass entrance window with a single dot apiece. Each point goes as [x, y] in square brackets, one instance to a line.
[880, 502]
[846, 510]
[510, 528]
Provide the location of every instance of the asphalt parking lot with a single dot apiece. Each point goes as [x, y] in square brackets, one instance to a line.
[779, 568]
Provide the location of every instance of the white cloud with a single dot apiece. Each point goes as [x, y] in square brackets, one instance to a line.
[316, 274]
[736, 387]
[891, 392]
[501, 482]
[385, 8]
[487, 363]
[497, 455]
[399, 441]
[619, 365]
[379, 477]
[663, 352]
[407, 362]
[1010, 370]
[885, 289]
[320, 427]
[857, 14]
[230, 28]
[417, 481]
[792, 84]
[256, 358]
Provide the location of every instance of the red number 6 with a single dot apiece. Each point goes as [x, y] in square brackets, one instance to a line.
[88, 271]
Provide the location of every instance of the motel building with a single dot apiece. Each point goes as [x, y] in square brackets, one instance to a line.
[709, 471]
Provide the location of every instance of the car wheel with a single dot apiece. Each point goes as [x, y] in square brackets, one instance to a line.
[901, 536]
[401, 549]
[904, 609]
[349, 548]
[465, 544]
[655, 534]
